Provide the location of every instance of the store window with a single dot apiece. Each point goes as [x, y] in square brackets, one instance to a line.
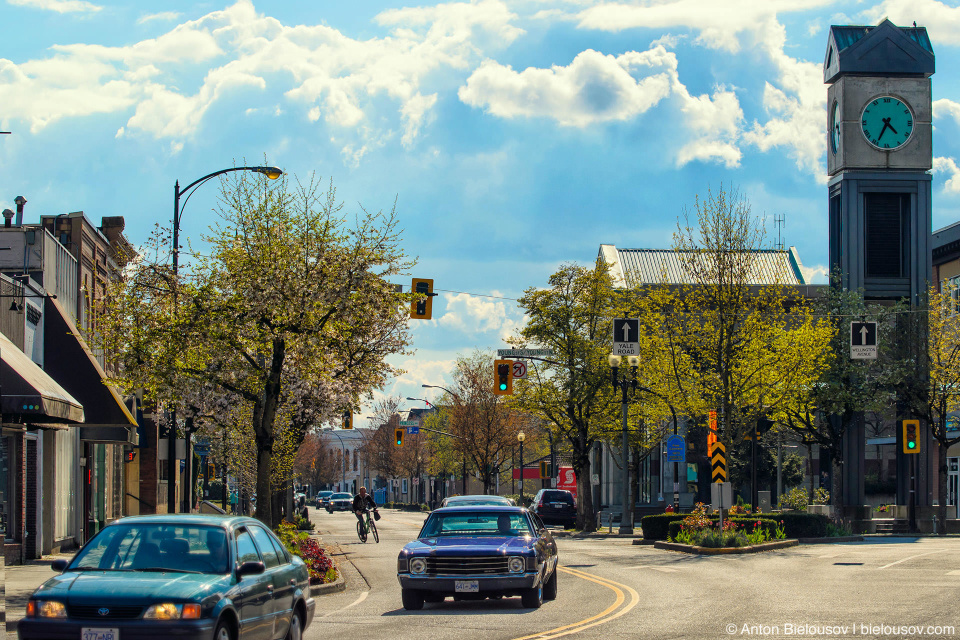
[7, 485]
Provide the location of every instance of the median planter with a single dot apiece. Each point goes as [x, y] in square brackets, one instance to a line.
[715, 551]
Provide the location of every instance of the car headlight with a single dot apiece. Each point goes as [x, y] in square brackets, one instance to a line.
[418, 565]
[171, 611]
[46, 609]
[516, 564]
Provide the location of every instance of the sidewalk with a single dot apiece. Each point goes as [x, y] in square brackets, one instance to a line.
[21, 580]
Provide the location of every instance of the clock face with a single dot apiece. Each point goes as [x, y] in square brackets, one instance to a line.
[886, 122]
[835, 128]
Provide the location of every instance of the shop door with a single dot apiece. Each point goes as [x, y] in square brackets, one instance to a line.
[953, 484]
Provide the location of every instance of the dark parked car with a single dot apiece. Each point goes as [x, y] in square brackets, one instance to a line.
[176, 576]
[322, 499]
[555, 506]
[340, 502]
[474, 501]
[471, 553]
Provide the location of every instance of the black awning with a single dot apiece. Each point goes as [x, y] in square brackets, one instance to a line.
[70, 361]
[28, 392]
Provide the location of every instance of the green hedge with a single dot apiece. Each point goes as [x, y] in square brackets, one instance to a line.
[797, 524]
[744, 523]
[656, 527]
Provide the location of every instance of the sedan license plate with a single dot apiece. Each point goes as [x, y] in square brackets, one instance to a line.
[97, 633]
[466, 586]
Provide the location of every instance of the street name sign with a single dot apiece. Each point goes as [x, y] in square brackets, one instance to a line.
[626, 336]
[863, 340]
[676, 449]
[412, 426]
[524, 353]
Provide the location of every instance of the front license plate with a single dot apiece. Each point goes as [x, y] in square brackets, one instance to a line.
[466, 586]
[97, 633]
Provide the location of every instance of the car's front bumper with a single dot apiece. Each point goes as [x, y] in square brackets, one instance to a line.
[486, 583]
[49, 629]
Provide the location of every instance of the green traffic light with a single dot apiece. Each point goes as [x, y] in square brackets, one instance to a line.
[503, 386]
[911, 445]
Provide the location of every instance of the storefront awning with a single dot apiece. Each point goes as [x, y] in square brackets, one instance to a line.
[70, 361]
[30, 393]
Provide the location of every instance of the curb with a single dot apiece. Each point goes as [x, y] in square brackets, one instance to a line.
[710, 551]
[830, 540]
[331, 587]
[597, 535]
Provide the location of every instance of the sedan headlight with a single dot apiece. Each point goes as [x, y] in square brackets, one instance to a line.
[46, 609]
[171, 611]
[418, 565]
[516, 564]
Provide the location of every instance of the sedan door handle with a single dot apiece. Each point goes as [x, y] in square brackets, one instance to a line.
[293, 581]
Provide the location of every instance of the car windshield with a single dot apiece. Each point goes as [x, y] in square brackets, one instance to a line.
[341, 496]
[481, 523]
[155, 546]
[326, 494]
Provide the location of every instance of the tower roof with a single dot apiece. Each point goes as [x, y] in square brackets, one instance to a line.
[883, 50]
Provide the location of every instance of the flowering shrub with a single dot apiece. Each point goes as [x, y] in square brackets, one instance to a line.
[319, 564]
[739, 510]
[821, 496]
[796, 498]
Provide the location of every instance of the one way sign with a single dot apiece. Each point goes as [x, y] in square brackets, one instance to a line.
[626, 336]
[863, 340]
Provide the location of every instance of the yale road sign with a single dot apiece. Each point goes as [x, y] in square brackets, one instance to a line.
[863, 340]
[718, 462]
[626, 336]
[676, 449]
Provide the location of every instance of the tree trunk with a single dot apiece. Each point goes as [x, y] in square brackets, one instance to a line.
[942, 489]
[586, 514]
[264, 511]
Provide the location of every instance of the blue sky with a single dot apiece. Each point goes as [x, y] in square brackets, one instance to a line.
[514, 135]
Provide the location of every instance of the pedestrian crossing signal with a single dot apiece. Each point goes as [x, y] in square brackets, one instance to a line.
[398, 437]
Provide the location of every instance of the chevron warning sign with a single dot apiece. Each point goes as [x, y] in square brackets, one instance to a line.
[718, 462]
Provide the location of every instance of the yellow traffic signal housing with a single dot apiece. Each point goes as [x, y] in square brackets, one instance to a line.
[421, 307]
[398, 437]
[348, 420]
[503, 377]
[545, 470]
[911, 436]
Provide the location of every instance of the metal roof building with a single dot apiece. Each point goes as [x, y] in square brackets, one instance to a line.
[633, 267]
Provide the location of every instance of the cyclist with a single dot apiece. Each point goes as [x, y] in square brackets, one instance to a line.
[361, 502]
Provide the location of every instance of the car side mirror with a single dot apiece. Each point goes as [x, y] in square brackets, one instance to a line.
[59, 565]
[250, 569]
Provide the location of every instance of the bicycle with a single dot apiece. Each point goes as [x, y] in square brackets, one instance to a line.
[370, 526]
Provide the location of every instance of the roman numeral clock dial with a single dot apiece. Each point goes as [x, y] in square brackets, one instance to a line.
[886, 122]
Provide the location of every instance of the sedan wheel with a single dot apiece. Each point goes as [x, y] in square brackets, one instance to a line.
[532, 598]
[223, 631]
[296, 627]
[412, 599]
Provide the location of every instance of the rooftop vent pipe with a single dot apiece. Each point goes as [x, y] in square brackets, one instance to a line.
[20, 200]
[7, 217]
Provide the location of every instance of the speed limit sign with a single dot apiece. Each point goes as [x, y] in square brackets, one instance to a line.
[519, 370]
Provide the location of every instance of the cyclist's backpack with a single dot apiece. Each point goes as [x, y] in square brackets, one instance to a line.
[376, 515]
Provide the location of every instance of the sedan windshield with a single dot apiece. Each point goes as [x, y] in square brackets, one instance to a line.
[342, 496]
[482, 523]
[155, 546]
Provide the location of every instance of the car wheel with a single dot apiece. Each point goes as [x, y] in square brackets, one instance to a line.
[550, 589]
[532, 598]
[223, 632]
[412, 599]
[296, 627]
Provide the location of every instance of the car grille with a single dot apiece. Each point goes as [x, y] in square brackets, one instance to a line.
[94, 612]
[460, 566]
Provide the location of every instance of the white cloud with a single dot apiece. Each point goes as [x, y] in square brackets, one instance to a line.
[60, 6]
[474, 314]
[162, 16]
[942, 21]
[948, 167]
[945, 108]
[328, 75]
[818, 274]
[596, 88]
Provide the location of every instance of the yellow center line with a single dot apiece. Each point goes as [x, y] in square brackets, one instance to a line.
[603, 617]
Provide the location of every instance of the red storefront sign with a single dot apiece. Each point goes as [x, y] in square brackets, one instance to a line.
[529, 473]
[567, 480]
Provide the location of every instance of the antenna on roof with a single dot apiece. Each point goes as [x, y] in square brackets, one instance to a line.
[779, 220]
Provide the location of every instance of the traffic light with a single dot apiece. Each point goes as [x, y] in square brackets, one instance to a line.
[398, 437]
[545, 470]
[911, 436]
[421, 307]
[348, 420]
[211, 470]
[503, 377]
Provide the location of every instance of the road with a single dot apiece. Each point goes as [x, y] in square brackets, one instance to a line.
[612, 588]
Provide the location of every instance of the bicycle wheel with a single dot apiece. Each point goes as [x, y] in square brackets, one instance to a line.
[373, 530]
[361, 532]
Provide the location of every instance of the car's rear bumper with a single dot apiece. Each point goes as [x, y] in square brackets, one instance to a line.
[34, 629]
[448, 584]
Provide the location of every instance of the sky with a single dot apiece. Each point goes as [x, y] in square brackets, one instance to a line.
[513, 136]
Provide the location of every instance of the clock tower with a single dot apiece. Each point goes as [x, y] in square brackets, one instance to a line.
[879, 155]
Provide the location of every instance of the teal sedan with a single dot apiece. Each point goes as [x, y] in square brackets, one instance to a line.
[190, 577]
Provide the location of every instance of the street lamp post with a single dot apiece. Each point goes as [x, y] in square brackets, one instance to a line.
[625, 384]
[463, 481]
[271, 172]
[521, 437]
